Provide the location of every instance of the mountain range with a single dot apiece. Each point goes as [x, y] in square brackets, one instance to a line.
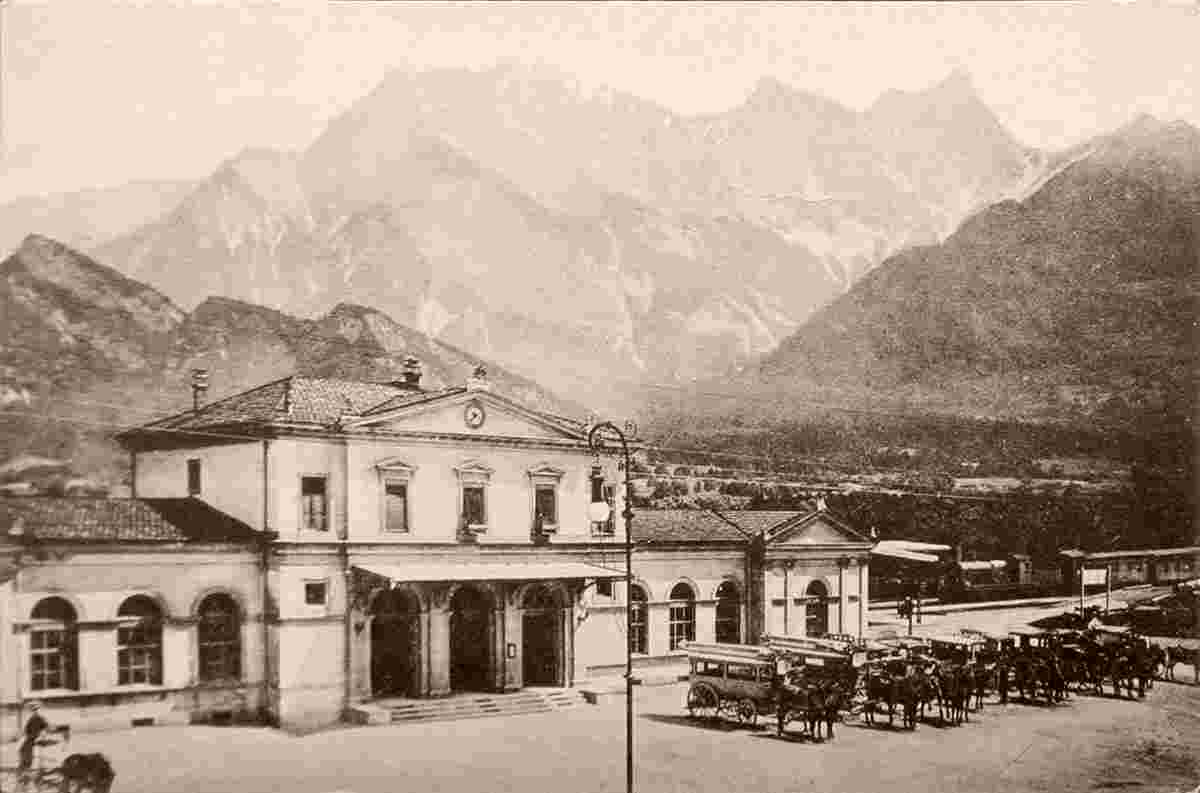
[1078, 303]
[910, 257]
[89, 350]
[564, 230]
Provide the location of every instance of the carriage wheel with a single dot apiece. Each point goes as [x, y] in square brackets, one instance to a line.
[747, 712]
[703, 702]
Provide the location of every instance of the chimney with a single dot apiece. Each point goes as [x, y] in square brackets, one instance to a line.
[411, 376]
[478, 380]
[199, 386]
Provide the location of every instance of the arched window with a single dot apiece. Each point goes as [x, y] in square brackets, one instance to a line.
[729, 614]
[139, 642]
[682, 615]
[219, 637]
[816, 610]
[53, 645]
[637, 620]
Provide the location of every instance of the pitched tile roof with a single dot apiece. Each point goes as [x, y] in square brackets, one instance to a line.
[683, 525]
[703, 525]
[119, 520]
[319, 401]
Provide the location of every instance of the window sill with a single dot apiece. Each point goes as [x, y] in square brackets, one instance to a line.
[66, 693]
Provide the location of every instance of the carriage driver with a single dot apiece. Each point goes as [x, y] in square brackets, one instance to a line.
[34, 727]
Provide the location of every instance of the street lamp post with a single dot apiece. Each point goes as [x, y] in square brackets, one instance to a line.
[599, 512]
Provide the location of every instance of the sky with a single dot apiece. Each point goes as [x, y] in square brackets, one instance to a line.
[97, 93]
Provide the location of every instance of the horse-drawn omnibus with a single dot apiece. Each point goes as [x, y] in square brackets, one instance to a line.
[788, 677]
[735, 680]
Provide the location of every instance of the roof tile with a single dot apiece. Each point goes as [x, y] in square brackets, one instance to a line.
[120, 520]
[308, 400]
[702, 525]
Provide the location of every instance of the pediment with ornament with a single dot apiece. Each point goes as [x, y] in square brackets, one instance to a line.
[472, 413]
[816, 529]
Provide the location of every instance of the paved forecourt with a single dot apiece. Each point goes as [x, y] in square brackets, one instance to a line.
[1070, 747]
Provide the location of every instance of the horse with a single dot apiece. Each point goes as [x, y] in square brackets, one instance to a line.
[882, 688]
[981, 675]
[1120, 669]
[87, 773]
[954, 693]
[1158, 661]
[1025, 676]
[918, 691]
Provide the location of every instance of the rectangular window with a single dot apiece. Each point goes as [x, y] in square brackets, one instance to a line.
[48, 659]
[139, 655]
[604, 587]
[545, 504]
[314, 503]
[474, 505]
[315, 593]
[741, 672]
[193, 477]
[395, 495]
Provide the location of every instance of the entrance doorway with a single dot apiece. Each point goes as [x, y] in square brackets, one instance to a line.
[470, 641]
[816, 610]
[395, 644]
[541, 638]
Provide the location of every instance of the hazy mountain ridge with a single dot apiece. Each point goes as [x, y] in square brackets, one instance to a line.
[1077, 302]
[641, 241]
[88, 350]
[88, 218]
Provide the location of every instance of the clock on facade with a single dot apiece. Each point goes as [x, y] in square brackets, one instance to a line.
[474, 415]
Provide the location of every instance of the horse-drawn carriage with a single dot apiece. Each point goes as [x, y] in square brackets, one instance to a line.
[791, 679]
[731, 680]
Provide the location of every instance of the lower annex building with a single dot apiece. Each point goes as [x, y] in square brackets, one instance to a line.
[304, 547]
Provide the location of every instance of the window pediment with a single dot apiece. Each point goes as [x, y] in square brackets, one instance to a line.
[546, 474]
[474, 472]
[395, 468]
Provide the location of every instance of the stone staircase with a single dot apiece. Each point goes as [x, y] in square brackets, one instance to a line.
[472, 706]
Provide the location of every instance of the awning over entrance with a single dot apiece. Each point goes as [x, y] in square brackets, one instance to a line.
[489, 571]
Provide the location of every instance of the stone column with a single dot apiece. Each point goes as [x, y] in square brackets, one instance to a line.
[439, 651]
[565, 650]
[863, 602]
[514, 633]
[843, 624]
[499, 646]
[788, 617]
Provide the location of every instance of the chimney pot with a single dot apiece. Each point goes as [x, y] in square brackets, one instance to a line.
[478, 380]
[411, 374]
[199, 386]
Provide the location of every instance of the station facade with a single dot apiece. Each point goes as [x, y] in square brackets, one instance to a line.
[301, 548]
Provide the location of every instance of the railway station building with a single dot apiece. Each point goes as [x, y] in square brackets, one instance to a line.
[295, 551]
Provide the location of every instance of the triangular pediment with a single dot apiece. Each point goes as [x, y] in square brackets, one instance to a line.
[478, 413]
[816, 528]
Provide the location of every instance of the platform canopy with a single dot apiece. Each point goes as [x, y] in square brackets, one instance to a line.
[899, 550]
[422, 572]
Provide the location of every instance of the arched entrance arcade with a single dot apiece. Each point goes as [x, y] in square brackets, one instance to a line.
[395, 644]
[471, 637]
[543, 650]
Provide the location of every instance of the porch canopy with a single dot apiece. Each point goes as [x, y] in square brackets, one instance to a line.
[423, 572]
